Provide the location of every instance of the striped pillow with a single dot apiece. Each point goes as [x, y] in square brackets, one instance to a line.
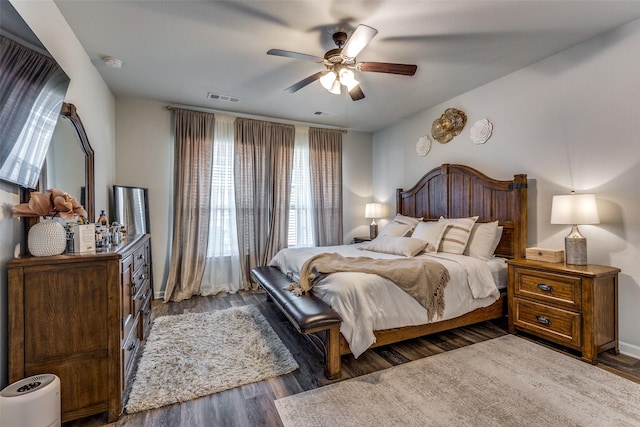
[456, 235]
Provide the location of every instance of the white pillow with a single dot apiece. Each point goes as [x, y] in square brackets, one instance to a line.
[431, 232]
[402, 219]
[456, 235]
[496, 240]
[481, 240]
[395, 229]
[407, 246]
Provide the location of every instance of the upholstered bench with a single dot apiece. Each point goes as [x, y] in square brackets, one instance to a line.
[306, 312]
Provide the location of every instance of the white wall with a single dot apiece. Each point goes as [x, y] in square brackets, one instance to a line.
[569, 122]
[144, 152]
[95, 105]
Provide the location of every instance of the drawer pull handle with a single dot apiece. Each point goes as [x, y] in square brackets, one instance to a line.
[143, 297]
[545, 288]
[131, 346]
[142, 277]
[543, 320]
[141, 256]
[134, 290]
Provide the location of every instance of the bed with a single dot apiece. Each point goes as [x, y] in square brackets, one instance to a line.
[448, 191]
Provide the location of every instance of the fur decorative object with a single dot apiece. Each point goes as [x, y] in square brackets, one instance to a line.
[191, 355]
[481, 131]
[450, 124]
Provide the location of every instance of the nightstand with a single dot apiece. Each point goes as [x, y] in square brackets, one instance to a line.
[360, 239]
[572, 305]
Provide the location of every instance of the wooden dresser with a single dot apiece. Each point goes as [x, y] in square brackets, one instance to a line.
[573, 305]
[82, 318]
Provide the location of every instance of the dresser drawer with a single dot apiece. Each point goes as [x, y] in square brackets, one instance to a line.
[558, 289]
[140, 300]
[145, 317]
[140, 281]
[129, 351]
[140, 257]
[555, 324]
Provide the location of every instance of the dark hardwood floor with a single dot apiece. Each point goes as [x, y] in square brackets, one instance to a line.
[252, 405]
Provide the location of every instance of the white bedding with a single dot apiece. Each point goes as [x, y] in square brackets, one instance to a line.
[368, 302]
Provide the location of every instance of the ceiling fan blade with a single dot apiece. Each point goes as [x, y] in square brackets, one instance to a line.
[358, 41]
[386, 67]
[294, 55]
[308, 80]
[356, 93]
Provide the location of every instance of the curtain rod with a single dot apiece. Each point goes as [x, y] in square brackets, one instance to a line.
[171, 107]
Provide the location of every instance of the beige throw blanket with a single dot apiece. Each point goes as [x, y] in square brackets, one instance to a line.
[424, 280]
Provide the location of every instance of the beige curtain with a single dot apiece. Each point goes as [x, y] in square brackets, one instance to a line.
[263, 154]
[193, 154]
[325, 158]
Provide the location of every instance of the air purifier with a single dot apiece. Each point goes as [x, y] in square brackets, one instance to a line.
[32, 402]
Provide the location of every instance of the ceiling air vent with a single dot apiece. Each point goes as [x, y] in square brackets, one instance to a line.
[226, 98]
[325, 114]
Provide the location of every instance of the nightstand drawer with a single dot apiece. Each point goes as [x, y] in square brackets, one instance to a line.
[557, 289]
[555, 324]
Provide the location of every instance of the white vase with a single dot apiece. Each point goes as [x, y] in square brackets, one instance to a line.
[47, 238]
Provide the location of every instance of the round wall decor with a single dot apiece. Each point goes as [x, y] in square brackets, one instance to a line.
[423, 146]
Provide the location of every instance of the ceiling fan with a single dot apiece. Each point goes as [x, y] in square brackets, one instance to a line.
[341, 62]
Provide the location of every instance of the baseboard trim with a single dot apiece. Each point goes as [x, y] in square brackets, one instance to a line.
[629, 350]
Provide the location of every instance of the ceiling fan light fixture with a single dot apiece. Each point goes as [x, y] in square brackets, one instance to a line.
[347, 79]
[336, 88]
[327, 80]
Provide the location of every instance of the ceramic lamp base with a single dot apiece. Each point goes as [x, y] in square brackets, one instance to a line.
[575, 247]
[373, 230]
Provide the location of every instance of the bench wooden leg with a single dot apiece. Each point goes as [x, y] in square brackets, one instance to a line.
[332, 362]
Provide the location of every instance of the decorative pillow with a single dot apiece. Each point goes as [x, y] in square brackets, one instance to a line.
[407, 246]
[431, 232]
[456, 235]
[402, 219]
[496, 240]
[481, 240]
[395, 229]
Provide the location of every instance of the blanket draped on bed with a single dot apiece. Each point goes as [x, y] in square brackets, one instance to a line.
[424, 280]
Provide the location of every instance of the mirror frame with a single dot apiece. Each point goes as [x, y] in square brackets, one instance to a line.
[70, 112]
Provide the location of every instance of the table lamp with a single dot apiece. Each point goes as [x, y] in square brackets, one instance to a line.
[373, 211]
[575, 209]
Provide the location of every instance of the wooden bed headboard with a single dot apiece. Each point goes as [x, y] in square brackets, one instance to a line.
[457, 191]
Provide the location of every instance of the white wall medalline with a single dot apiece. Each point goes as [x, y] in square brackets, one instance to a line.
[568, 122]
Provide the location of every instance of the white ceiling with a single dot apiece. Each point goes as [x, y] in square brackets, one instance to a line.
[178, 51]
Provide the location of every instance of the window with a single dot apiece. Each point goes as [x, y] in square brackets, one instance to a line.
[300, 233]
[222, 225]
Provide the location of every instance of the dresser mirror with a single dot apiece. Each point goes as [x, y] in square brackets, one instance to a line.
[69, 162]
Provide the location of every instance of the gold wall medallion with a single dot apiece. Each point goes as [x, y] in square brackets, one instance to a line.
[449, 125]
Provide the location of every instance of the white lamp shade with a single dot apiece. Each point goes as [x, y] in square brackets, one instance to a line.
[373, 210]
[574, 209]
[327, 80]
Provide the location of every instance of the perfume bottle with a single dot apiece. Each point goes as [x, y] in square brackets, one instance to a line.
[102, 219]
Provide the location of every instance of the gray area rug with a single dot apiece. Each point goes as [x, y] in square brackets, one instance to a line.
[192, 355]
[506, 381]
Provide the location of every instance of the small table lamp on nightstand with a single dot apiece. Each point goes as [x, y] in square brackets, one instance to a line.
[575, 209]
[373, 211]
